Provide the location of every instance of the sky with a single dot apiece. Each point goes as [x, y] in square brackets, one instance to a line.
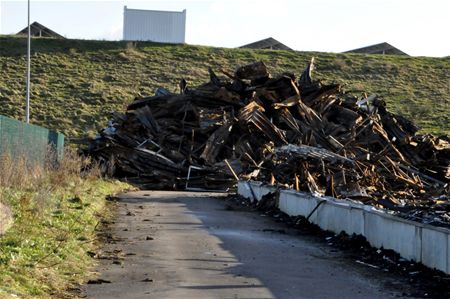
[417, 27]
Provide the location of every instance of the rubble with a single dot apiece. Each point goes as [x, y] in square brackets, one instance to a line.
[298, 134]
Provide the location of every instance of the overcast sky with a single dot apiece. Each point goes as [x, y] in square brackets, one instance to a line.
[419, 28]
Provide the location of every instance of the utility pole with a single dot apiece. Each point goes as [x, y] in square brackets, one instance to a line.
[28, 68]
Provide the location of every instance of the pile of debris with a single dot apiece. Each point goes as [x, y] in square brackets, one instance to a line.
[298, 133]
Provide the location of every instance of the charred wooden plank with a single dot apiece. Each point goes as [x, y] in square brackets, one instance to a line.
[253, 71]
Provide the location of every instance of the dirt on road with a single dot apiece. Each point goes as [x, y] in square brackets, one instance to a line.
[193, 245]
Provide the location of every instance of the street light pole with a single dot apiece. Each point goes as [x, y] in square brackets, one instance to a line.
[28, 68]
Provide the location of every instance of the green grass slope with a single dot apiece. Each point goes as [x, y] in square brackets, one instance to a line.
[77, 83]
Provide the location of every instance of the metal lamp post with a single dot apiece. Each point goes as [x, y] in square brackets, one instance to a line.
[28, 68]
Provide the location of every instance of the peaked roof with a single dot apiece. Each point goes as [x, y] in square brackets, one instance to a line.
[382, 48]
[268, 43]
[39, 30]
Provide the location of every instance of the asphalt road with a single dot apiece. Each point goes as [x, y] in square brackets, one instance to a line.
[191, 245]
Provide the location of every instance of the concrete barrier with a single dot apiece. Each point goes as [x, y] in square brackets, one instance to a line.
[254, 190]
[415, 241]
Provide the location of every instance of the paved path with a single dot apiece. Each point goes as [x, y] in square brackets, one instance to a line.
[189, 245]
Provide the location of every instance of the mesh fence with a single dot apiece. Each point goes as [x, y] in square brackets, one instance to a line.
[20, 139]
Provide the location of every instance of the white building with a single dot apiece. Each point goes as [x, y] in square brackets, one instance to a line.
[154, 25]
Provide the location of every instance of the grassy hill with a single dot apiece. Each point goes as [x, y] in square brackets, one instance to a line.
[76, 83]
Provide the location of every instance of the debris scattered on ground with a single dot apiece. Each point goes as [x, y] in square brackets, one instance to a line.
[98, 281]
[147, 280]
[294, 132]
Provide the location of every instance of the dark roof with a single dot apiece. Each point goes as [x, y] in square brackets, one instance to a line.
[268, 43]
[383, 48]
[39, 30]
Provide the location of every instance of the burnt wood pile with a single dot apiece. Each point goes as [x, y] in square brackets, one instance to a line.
[294, 132]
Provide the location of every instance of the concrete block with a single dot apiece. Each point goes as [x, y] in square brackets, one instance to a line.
[293, 206]
[259, 190]
[448, 254]
[282, 203]
[297, 203]
[382, 230]
[356, 221]
[334, 217]
[307, 204]
[435, 248]
[244, 190]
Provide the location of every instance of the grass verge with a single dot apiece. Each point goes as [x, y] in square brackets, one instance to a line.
[56, 213]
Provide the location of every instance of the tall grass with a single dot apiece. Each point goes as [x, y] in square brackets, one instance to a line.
[38, 179]
[17, 173]
[56, 209]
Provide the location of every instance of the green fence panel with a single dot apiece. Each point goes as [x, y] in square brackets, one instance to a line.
[20, 139]
[56, 140]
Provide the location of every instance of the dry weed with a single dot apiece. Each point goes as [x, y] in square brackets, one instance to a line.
[18, 173]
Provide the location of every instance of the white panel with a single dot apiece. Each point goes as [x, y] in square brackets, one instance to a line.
[153, 25]
[394, 233]
[448, 254]
[434, 249]
[254, 190]
[244, 190]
